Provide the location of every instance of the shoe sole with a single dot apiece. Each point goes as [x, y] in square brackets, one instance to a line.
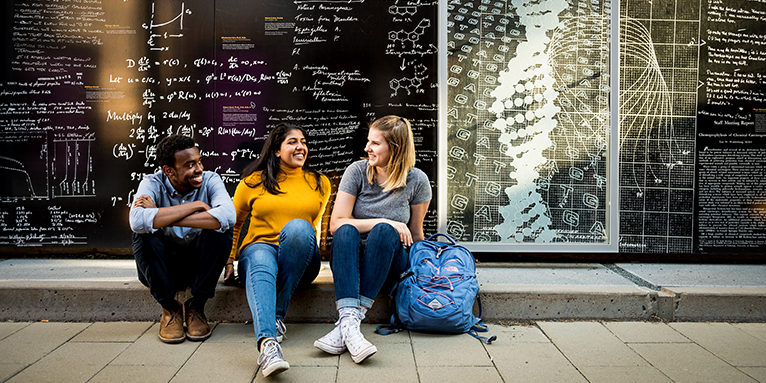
[171, 340]
[328, 348]
[275, 368]
[366, 353]
[198, 338]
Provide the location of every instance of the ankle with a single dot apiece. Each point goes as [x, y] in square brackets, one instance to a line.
[348, 312]
[172, 306]
[197, 303]
[263, 341]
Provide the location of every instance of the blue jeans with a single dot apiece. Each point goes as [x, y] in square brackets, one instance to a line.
[271, 273]
[359, 271]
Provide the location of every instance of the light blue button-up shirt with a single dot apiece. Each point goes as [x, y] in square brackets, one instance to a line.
[158, 187]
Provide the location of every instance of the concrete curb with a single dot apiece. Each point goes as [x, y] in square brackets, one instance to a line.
[108, 290]
[718, 304]
[130, 301]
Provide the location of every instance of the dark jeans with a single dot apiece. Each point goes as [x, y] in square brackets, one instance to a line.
[167, 267]
[359, 271]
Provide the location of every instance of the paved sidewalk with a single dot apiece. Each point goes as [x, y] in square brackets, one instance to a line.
[546, 351]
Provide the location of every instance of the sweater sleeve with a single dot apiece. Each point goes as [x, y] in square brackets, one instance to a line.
[324, 199]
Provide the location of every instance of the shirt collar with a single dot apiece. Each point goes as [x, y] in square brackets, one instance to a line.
[172, 190]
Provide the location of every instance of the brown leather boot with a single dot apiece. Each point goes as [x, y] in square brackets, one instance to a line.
[197, 328]
[172, 326]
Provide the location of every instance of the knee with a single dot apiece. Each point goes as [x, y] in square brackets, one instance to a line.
[384, 229]
[298, 235]
[223, 239]
[147, 244]
[298, 227]
[347, 235]
[346, 230]
[255, 255]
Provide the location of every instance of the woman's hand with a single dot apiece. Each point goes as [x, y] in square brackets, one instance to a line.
[229, 278]
[404, 232]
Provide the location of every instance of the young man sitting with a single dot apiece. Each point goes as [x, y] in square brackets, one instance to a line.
[182, 219]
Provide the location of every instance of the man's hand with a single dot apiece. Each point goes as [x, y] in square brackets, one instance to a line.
[145, 202]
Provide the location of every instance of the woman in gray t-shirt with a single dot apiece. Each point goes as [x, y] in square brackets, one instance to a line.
[378, 214]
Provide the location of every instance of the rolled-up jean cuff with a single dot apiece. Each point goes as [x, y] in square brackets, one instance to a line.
[366, 302]
[347, 302]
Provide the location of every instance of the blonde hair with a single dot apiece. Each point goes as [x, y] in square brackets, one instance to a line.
[397, 132]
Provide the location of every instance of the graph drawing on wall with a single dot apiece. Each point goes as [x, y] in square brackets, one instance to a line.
[658, 98]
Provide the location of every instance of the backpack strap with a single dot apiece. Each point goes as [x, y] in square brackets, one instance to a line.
[479, 326]
[387, 329]
[449, 239]
[396, 325]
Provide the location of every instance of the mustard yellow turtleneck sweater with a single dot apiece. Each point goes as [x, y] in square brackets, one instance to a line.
[269, 213]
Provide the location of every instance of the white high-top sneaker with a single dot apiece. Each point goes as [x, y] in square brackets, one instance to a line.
[332, 343]
[359, 348]
[271, 359]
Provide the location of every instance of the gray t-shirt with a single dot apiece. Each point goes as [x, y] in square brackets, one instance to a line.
[371, 202]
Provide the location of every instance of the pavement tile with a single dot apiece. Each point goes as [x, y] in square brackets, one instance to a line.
[233, 333]
[72, 362]
[37, 340]
[9, 369]
[449, 350]
[8, 328]
[727, 342]
[149, 350]
[645, 332]
[113, 332]
[590, 344]
[132, 374]
[533, 362]
[444, 374]
[688, 362]
[299, 348]
[303, 374]
[757, 373]
[757, 330]
[619, 374]
[517, 333]
[393, 362]
[211, 361]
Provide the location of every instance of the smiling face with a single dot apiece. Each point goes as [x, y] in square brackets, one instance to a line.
[187, 172]
[378, 151]
[293, 151]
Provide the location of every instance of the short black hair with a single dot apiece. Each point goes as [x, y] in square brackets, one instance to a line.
[168, 146]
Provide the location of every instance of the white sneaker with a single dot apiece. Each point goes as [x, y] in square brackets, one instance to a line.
[332, 343]
[271, 359]
[359, 348]
[281, 330]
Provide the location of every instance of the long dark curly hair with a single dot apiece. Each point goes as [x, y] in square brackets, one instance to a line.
[268, 161]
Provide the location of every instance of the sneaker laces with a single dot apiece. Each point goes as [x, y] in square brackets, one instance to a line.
[350, 327]
[271, 350]
[281, 329]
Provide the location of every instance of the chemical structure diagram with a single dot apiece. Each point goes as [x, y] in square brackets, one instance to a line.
[403, 11]
[412, 36]
[409, 83]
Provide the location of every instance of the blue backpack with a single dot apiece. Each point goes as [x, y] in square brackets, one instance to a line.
[437, 292]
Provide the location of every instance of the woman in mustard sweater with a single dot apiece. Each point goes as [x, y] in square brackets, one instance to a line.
[285, 200]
